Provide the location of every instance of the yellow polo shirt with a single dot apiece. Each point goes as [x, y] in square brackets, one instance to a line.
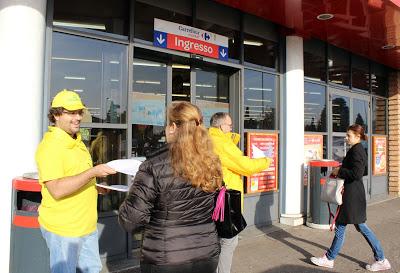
[59, 155]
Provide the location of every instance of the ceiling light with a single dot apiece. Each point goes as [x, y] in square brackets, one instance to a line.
[253, 43]
[79, 25]
[147, 64]
[74, 78]
[325, 16]
[386, 47]
[75, 59]
[180, 66]
[148, 82]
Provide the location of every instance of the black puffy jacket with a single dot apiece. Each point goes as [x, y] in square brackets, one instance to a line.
[176, 217]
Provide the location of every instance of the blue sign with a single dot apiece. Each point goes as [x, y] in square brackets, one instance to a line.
[223, 53]
[160, 39]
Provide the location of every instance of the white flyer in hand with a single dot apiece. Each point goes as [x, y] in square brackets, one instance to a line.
[257, 152]
[123, 188]
[126, 166]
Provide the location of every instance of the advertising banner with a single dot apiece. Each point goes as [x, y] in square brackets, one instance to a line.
[189, 39]
[148, 109]
[379, 158]
[209, 108]
[266, 180]
[313, 150]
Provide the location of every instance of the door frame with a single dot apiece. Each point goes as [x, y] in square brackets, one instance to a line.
[351, 96]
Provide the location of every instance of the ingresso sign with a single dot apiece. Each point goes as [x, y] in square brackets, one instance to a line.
[189, 39]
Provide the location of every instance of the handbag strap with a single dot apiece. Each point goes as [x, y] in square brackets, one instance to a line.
[333, 216]
[219, 209]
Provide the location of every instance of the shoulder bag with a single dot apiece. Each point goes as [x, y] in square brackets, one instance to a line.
[227, 213]
[332, 190]
[332, 193]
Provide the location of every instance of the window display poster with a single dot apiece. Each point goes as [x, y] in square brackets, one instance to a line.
[313, 150]
[266, 180]
[148, 109]
[379, 158]
[209, 108]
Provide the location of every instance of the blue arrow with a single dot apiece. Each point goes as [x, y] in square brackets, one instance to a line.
[223, 53]
[160, 39]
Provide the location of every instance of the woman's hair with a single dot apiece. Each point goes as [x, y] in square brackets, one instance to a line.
[191, 150]
[358, 129]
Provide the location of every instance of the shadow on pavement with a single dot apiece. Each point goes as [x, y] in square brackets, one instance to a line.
[297, 268]
[287, 239]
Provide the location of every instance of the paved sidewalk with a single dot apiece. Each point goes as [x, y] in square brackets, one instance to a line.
[284, 249]
[280, 249]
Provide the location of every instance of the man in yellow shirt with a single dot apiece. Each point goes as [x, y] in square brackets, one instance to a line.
[68, 212]
[234, 165]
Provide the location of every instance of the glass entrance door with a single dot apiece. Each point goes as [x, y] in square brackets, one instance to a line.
[211, 91]
[205, 86]
[346, 109]
[157, 83]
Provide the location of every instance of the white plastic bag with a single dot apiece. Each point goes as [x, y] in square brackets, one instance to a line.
[332, 190]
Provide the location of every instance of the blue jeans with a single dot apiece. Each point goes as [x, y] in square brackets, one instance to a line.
[73, 254]
[338, 241]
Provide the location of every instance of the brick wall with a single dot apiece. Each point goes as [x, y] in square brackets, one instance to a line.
[394, 134]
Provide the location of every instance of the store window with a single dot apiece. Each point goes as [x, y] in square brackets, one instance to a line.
[149, 100]
[379, 113]
[315, 60]
[181, 83]
[212, 93]
[360, 73]
[260, 100]
[339, 148]
[338, 66]
[105, 145]
[340, 113]
[96, 70]
[360, 113]
[314, 107]
[260, 42]
[220, 19]
[379, 80]
[177, 11]
[85, 15]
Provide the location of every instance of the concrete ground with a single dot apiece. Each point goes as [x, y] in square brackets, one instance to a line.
[281, 249]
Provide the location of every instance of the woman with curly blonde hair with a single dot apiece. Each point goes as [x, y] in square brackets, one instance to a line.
[172, 196]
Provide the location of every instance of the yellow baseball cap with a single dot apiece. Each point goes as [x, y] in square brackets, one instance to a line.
[68, 100]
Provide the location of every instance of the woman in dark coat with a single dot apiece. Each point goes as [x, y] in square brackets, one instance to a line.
[172, 198]
[353, 209]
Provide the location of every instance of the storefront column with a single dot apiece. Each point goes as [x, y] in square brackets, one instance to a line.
[293, 134]
[22, 43]
[394, 134]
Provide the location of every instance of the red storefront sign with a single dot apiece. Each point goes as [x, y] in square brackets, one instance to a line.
[192, 45]
[189, 39]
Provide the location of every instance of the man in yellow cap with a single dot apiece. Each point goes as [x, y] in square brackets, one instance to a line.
[68, 212]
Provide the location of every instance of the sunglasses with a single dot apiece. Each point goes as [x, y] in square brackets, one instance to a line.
[73, 113]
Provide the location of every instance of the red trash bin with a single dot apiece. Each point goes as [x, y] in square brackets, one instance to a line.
[319, 215]
[28, 250]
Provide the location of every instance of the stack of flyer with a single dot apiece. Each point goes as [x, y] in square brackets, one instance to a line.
[126, 166]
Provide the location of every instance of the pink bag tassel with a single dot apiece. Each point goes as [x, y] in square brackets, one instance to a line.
[220, 206]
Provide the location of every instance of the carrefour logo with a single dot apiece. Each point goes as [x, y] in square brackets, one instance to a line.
[206, 36]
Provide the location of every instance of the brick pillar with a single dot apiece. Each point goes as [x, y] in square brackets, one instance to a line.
[394, 134]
